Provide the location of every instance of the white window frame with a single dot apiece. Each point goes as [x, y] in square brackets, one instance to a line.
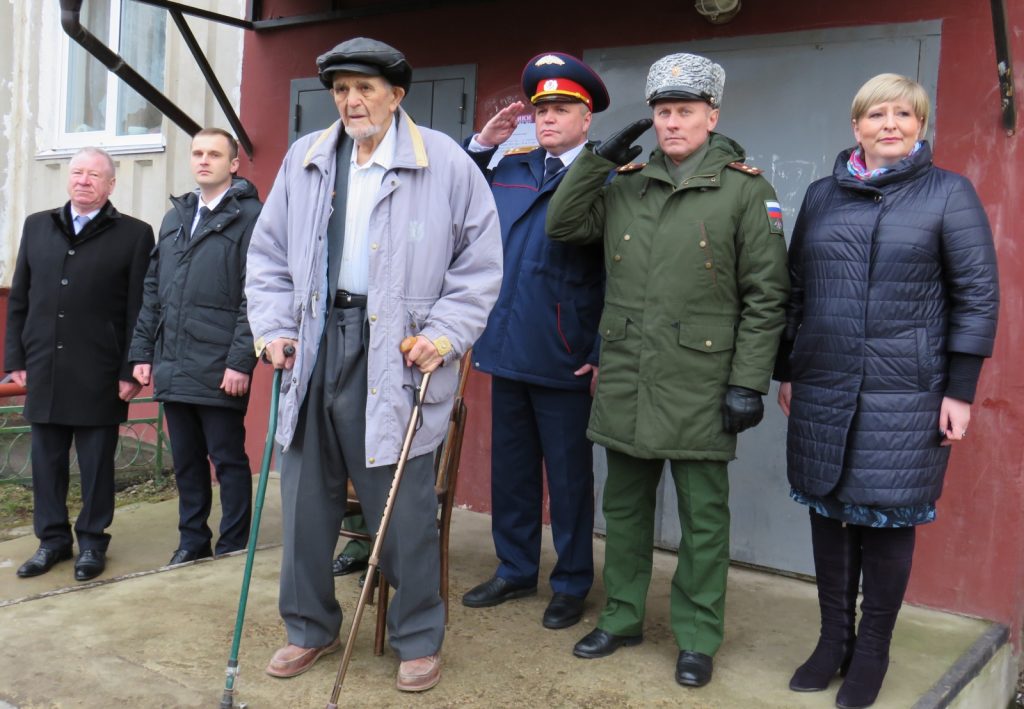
[63, 142]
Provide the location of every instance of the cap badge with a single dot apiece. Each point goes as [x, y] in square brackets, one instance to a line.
[550, 85]
[549, 59]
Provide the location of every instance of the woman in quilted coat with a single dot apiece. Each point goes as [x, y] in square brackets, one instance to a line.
[893, 309]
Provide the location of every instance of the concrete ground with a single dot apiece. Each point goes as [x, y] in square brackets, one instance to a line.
[144, 636]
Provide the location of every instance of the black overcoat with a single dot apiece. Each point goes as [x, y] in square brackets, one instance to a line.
[71, 312]
[888, 278]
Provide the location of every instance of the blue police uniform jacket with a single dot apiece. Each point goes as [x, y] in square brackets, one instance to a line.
[544, 325]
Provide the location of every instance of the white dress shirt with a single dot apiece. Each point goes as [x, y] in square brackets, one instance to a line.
[211, 205]
[567, 157]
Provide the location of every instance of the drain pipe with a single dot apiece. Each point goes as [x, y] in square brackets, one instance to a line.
[70, 20]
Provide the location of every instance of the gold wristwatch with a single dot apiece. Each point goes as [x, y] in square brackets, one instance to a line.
[443, 346]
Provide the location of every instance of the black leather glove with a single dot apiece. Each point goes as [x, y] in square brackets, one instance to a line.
[619, 148]
[742, 408]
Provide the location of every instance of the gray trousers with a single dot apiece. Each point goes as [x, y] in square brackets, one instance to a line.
[328, 447]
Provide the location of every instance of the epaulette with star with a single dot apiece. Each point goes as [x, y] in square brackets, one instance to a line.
[521, 150]
[745, 168]
[631, 167]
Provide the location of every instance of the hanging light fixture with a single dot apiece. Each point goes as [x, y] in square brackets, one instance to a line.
[718, 12]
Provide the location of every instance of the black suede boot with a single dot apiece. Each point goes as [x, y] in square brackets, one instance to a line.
[837, 568]
[886, 558]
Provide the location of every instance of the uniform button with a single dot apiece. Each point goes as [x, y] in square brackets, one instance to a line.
[71, 252]
[373, 318]
[714, 179]
[708, 265]
[878, 198]
[617, 257]
[63, 281]
[608, 333]
[703, 244]
[626, 237]
[373, 390]
[707, 343]
[60, 345]
[60, 313]
[373, 460]
[373, 246]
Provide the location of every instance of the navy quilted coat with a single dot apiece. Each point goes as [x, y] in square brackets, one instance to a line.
[887, 278]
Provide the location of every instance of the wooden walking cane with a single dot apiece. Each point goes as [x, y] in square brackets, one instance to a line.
[378, 542]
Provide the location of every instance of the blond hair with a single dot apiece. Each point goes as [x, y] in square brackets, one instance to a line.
[892, 87]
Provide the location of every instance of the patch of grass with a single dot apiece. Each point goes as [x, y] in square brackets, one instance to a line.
[130, 487]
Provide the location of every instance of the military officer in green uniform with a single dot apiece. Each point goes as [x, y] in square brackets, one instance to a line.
[696, 284]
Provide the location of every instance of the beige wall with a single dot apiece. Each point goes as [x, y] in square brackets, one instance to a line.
[33, 169]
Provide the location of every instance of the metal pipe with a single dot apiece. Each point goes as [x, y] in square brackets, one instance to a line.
[198, 12]
[70, 20]
[211, 80]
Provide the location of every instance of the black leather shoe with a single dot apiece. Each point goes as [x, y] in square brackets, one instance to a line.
[563, 611]
[346, 564]
[90, 564]
[42, 561]
[600, 643]
[182, 556]
[693, 669]
[495, 591]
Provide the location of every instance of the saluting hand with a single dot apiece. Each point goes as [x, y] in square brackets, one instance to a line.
[501, 126]
[619, 148]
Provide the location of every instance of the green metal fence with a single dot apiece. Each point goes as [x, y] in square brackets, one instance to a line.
[136, 451]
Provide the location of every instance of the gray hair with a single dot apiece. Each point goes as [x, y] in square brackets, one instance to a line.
[100, 152]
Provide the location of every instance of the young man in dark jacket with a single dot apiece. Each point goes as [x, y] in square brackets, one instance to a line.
[193, 341]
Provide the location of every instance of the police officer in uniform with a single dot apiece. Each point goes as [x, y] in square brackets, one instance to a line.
[693, 311]
[540, 348]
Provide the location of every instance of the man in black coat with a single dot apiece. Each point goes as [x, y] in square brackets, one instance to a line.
[76, 293]
[193, 340]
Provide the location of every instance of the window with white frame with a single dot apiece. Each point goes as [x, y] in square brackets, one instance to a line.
[97, 108]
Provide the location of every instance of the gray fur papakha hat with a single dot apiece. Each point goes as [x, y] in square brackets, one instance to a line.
[685, 77]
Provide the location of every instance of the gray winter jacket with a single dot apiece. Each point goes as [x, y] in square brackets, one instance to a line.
[435, 269]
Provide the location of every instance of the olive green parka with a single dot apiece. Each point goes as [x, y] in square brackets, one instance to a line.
[696, 288]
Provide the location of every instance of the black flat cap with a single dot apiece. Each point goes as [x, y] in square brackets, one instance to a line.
[365, 56]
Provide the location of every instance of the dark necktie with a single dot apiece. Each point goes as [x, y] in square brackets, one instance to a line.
[204, 212]
[551, 167]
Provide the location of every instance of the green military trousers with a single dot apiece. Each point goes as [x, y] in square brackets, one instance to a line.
[698, 587]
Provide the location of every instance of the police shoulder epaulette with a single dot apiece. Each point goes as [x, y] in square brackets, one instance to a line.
[743, 167]
[521, 150]
[631, 167]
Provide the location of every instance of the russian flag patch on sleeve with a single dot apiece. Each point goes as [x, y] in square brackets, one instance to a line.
[774, 210]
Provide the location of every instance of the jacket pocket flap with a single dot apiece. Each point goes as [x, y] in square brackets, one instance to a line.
[613, 327]
[707, 338]
[208, 333]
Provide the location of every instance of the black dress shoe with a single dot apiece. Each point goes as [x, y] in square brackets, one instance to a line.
[563, 610]
[42, 561]
[693, 669]
[90, 564]
[495, 591]
[600, 643]
[346, 564]
[182, 556]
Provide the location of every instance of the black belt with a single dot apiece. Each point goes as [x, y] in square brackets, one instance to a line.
[344, 299]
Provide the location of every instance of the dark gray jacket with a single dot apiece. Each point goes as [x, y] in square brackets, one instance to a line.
[193, 322]
[888, 279]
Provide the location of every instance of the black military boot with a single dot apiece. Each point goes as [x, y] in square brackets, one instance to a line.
[837, 568]
[886, 557]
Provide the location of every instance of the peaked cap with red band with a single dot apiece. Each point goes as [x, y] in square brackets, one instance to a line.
[554, 76]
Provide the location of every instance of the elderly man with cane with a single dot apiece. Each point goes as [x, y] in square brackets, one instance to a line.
[375, 230]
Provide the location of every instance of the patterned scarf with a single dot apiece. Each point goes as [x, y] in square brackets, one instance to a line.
[859, 170]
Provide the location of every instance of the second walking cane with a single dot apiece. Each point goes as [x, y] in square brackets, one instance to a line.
[378, 541]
